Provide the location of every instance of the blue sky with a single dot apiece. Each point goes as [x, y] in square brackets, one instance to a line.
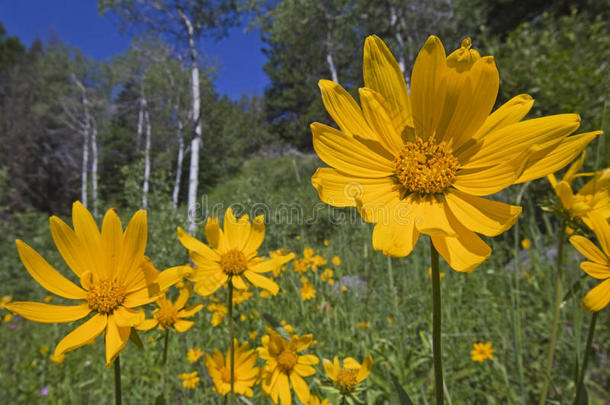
[77, 23]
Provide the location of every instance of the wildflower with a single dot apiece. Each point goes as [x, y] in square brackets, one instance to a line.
[264, 294]
[308, 253]
[171, 314]
[48, 298]
[44, 390]
[218, 313]
[298, 237]
[285, 367]
[44, 349]
[301, 265]
[389, 319]
[252, 335]
[114, 274]
[150, 339]
[189, 380]
[482, 351]
[246, 372]
[364, 325]
[325, 243]
[336, 260]
[194, 354]
[421, 162]
[308, 292]
[231, 255]
[598, 265]
[344, 288]
[526, 244]
[8, 317]
[5, 300]
[348, 376]
[327, 274]
[241, 296]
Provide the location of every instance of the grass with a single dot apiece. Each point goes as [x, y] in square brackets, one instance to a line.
[501, 302]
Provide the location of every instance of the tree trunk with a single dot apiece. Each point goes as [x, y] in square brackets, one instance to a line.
[85, 165]
[196, 141]
[330, 61]
[147, 142]
[94, 160]
[141, 103]
[400, 52]
[179, 162]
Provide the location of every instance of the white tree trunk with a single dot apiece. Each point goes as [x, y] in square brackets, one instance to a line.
[94, 162]
[330, 61]
[400, 52]
[178, 163]
[85, 165]
[196, 141]
[147, 142]
[141, 102]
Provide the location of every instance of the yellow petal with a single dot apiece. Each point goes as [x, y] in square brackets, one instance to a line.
[601, 227]
[86, 230]
[480, 215]
[358, 156]
[239, 283]
[257, 234]
[491, 179]
[46, 313]
[431, 216]
[568, 176]
[598, 297]
[213, 233]
[351, 362]
[171, 276]
[588, 249]
[510, 112]
[303, 370]
[183, 297]
[147, 324]
[182, 326]
[268, 265]
[134, 245]
[344, 110]
[195, 245]
[82, 335]
[210, 284]
[282, 387]
[376, 114]
[560, 156]
[307, 359]
[116, 339]
[128, 317]
[236, 232]
[70, 246]
[365, 369]
[46, 275]
[141, 297]
[599, 271]
[190, 311]
[395, 240]
[262, 282]
[382, 74]
[112, 242]
[428, 87]
[300, 387]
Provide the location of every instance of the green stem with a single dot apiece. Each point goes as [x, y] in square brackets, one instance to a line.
[231, 337]
[117, 381]
[555, 324]
[581, 377]
[164, 360]
[436, 325]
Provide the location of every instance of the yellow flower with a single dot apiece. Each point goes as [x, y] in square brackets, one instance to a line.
[230, 255]
[526, 244]
[594, 196]
[194, 354]
[343, 288]
[114, 274]
[218, 313]
[482, 351]
[599, 265]
[308, 253]
[389, 319]
[313, 400]
[284, 367]
[421, 162]
[252, 335]
[336, 260]
[325, 243]
[246, 372]
[150, 339]
[327, 274]
[241, 296]
[307, 291]
[364, 325]
[44, 349]
[48, 298]
[8, 317]
[301, 265]
[348, 376]
[441, 275]
[298, 237]
[171, 314]
[189, 380]
[264, 294]
[5, 300]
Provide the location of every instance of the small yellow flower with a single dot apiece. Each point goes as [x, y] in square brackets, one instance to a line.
[264, 294]
[194, 354]
[598, 265]
[364, 325]
[307, 291]
[48, 298]
[325, 243]
[441, 275]
[243, 317]
[241, 296]
[218, 313]
[44, 349]
[308, 253]
[298, 237]
[348, 376]
[5, 300]
[8, 318]
[246, 373]
[171, 314]
[482, 351]
[285, 367]
[150, 339]
[343, 288]
[336, 260]
[252, 335]
[327, 274]
[189, 380]
[389, 319]
[526, 244]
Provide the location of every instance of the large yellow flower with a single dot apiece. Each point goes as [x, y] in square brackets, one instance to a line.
[351, 374]
[594, 196]
[246, 372]
[114, 274]
[232, 253]
[599, 264]
[285, 367]
[171, 314]
[421, 162]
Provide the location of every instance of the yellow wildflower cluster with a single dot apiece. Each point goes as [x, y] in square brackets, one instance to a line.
[194, 354]
[309, 261]
[218, 313]
[308, 292]
[327, 276]
[189, 380]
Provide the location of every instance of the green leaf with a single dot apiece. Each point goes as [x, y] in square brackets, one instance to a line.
[402, 394]
[135, 339]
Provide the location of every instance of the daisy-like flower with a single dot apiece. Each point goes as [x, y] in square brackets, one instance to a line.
[246, 372]
[421, 162]
[219, 311]
[194, 354]
[231, 255]
[171, 314]
[482, 351]
[348, 376]
[594, 196]
[115, 279]
[598, 265]
[526, 244]
[285, 367]
[189, 380]
[308, 292]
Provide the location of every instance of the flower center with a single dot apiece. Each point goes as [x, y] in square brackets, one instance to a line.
[233, 262]
[287, 360]
[167, 314]
[425, 167]
[105, 296]
[347, 378]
